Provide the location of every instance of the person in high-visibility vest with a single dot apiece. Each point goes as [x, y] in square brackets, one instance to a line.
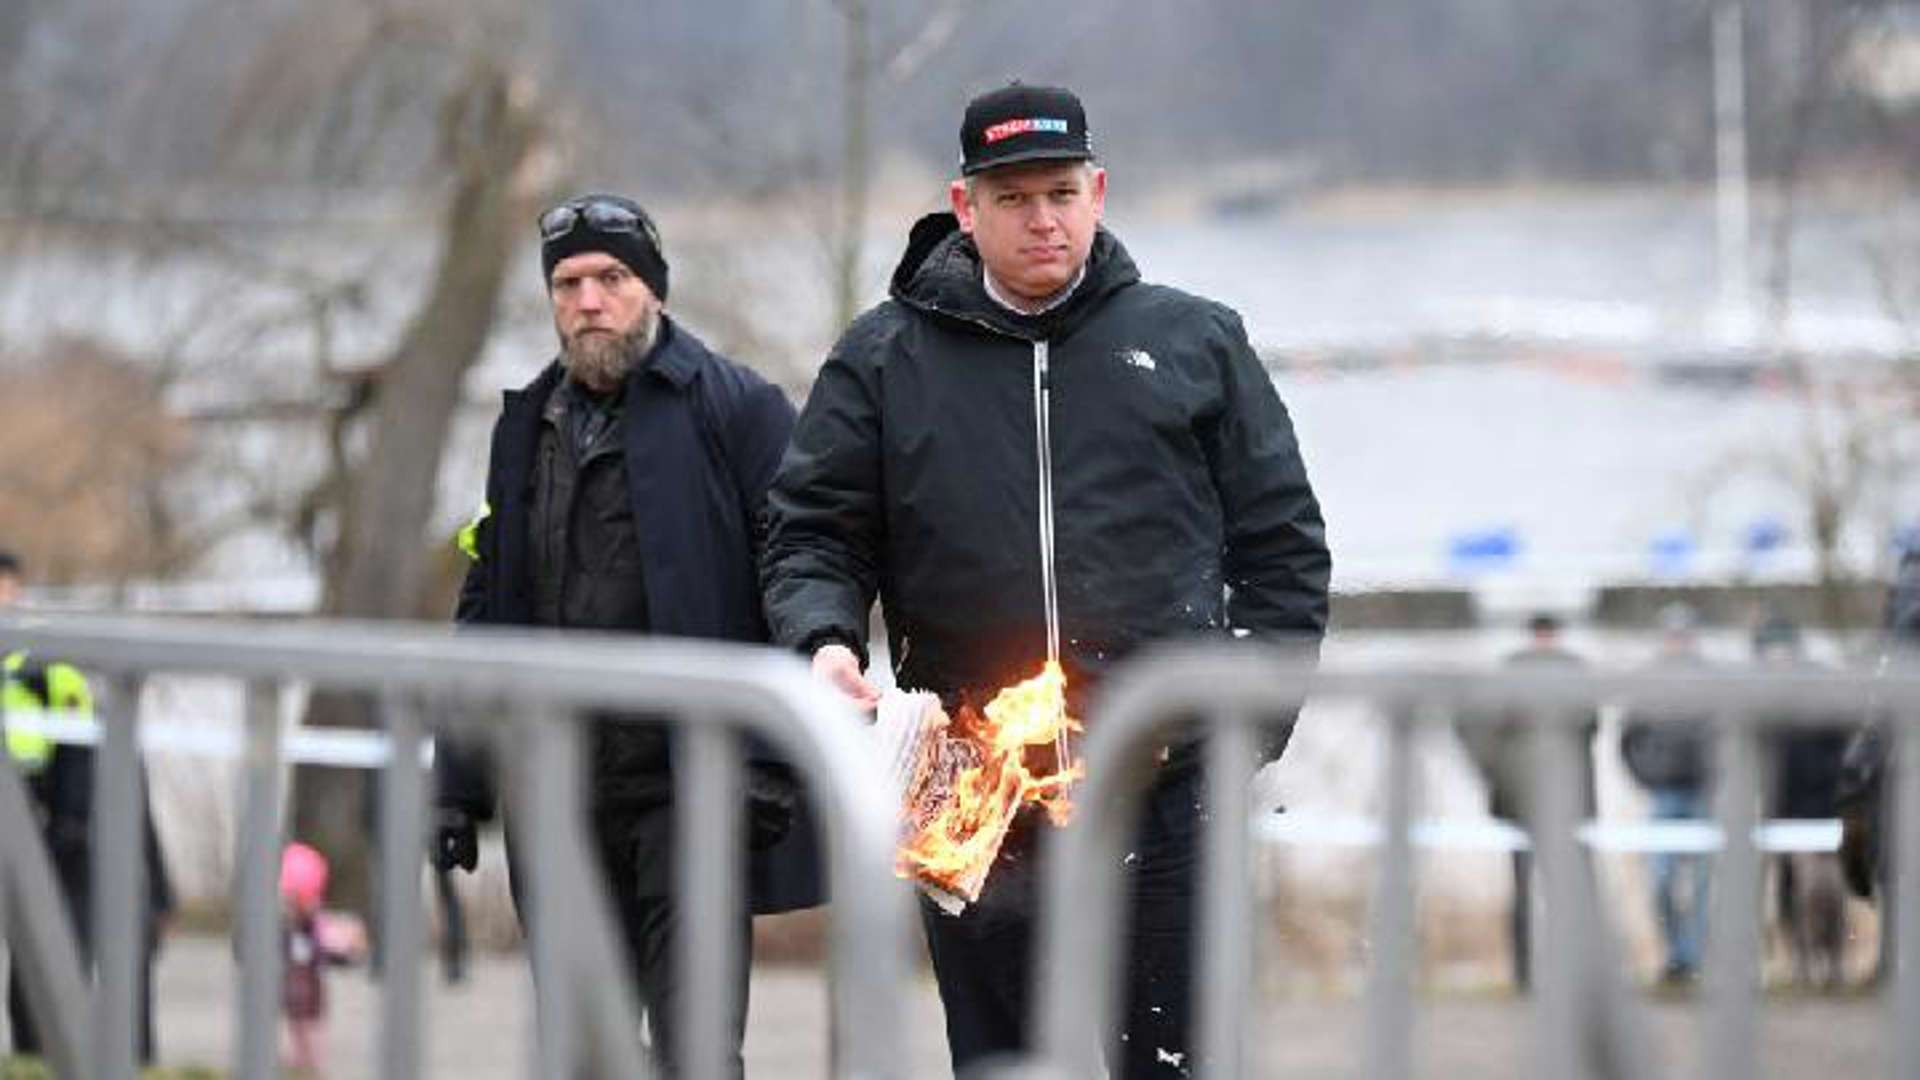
[36, 696]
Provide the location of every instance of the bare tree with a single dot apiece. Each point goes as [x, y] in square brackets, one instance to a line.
[1851, 454]
[86, 446]
[903, 60]
[353, 90]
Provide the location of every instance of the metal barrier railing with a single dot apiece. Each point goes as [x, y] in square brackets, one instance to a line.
[714, 692]
[1587, 1025]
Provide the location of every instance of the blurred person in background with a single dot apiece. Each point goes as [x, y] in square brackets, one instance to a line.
[60, 790]
[1501, 749]
[1865, 811]
[309, 944]
[1666, 751]
[1026, 419]
[623, 492]
[1806, 753]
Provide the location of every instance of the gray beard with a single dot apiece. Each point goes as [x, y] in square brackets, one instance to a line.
[601, 362]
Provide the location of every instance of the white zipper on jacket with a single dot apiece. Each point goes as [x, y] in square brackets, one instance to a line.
[1043, 447]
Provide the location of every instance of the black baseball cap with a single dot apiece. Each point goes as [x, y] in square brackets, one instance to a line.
[1019, 123]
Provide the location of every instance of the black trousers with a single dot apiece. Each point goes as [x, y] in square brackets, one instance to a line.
[636, 859]
[453, 927]
[983, 958]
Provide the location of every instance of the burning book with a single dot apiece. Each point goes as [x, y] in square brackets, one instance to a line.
[962, 779]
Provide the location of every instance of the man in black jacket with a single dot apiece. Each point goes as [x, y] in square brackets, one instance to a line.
[1029, 452]
[622, 495]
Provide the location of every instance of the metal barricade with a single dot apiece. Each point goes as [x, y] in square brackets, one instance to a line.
[717, 692]
[714, 692]
[1585, 1021]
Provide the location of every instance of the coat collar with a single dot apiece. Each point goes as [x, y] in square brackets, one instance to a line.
[941, 274]
[675, 357]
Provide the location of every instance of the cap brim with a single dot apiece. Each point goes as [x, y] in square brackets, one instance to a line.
[1038, 153]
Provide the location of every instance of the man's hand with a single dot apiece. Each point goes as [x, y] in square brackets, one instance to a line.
[838, 667]
[456, 840]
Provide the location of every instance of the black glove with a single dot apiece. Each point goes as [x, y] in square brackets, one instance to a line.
[456, 840]
[772, 798]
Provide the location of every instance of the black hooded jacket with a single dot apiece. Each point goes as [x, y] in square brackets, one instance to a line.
[1180, 502]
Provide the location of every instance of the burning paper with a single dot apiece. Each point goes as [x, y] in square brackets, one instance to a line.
[962, 779]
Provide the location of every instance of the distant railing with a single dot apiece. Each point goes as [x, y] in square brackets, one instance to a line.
[1586, 1022]
[1586, 1025]
[544, 681]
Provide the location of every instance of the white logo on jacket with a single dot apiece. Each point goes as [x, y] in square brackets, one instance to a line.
[1139, 358]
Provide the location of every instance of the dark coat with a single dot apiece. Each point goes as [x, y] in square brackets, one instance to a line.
[1864, 808]
[1181, 503]
[1807, 750]
[703, 436]
[1667, 748]
[1501, 747]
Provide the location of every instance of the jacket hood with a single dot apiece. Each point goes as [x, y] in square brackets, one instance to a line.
[941, 274]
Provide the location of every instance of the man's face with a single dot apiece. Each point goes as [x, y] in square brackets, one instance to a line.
[1033, 224]
[10, 589]
[605, 315]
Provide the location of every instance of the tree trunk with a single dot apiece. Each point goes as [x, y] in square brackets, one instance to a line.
[855, 166]
[379, 566]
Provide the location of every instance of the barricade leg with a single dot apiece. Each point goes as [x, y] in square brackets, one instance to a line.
[707, 797]
[1733, 932]
[1902, 908]
[572, 933]
[257, 868]
[119, 883]
[1225, 960]
[1588, 1024]
[402, 857]
[1389, 1045]
[42, 952]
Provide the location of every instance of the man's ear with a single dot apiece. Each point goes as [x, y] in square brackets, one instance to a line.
[962, 206]
[1099, 193]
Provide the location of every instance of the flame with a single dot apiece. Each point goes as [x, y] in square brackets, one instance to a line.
[1001, 759]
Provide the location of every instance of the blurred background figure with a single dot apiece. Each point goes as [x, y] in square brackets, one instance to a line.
[1864, 809]
[1503, 754]
[1666, 752]
[1806, 757]
[308, 948]
[59, 781]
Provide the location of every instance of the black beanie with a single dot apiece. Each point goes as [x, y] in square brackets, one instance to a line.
[640, 249]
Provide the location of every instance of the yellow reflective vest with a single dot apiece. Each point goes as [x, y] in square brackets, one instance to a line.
[55, 687]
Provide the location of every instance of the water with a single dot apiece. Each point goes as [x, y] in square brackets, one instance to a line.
[1587, 459]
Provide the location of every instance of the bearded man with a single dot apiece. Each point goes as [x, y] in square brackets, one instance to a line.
[622, 496]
